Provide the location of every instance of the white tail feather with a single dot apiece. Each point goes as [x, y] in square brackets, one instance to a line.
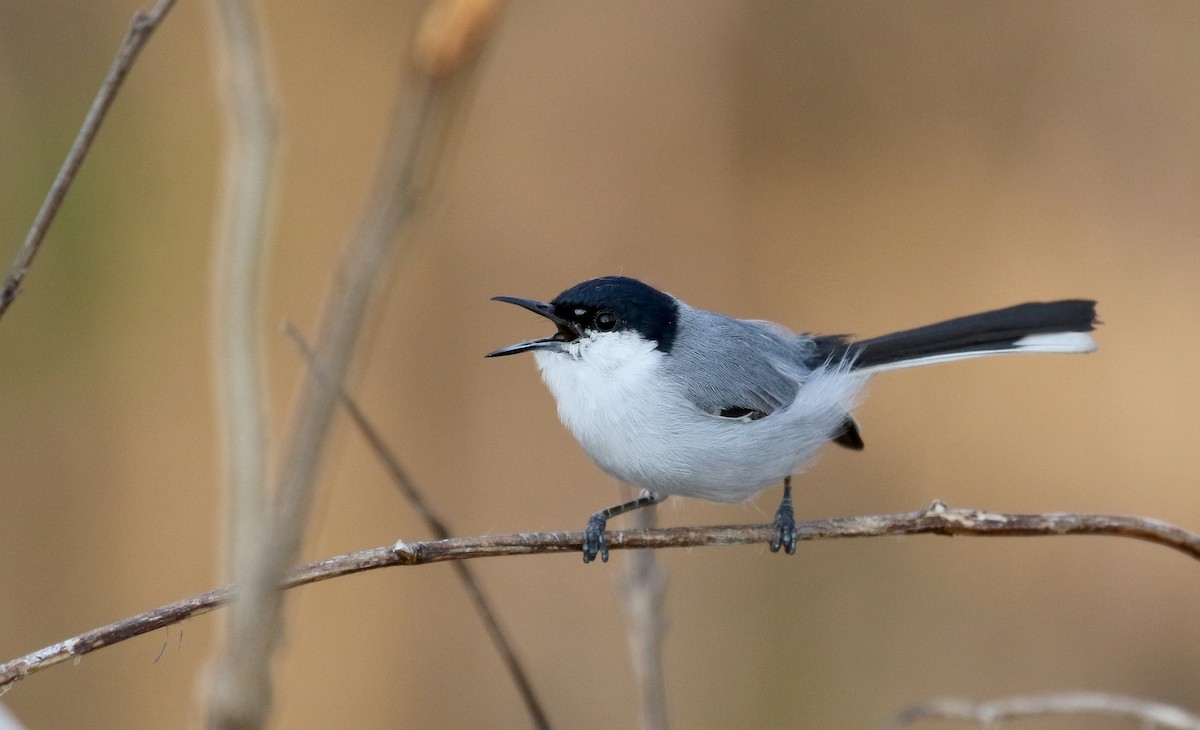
[1055, 342]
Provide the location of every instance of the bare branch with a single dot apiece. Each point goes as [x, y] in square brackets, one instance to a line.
[143, 26]
[937, 520]
[987, 714]
[409, 488]
[415, 145]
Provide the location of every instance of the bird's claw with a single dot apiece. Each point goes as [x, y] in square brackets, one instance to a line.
[593, 539]
[786, 534]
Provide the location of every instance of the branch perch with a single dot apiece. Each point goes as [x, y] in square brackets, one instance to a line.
[937, 520]
[990, 714]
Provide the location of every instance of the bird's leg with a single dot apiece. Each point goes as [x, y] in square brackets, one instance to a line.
[785, 522]
[593, 534]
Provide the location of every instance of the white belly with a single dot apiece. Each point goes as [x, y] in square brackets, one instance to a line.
[645, 432]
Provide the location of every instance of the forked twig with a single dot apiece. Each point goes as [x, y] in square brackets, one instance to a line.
[415, 144]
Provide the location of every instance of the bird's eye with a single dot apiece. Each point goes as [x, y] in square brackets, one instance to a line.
[606, 320]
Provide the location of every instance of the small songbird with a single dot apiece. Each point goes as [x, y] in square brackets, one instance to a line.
[682, 401]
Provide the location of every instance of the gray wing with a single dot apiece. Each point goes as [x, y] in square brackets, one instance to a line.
[737, 367]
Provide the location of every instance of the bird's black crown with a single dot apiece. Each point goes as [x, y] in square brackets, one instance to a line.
[621, 303]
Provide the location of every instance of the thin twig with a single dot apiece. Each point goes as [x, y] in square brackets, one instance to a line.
[413, 150]
[644, 589]
[937, 520]
[143, 26]
[436, 525]
[247, 194]
[988, 714]
[396, 470]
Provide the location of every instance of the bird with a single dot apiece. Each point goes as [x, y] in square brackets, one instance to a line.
[681, 401]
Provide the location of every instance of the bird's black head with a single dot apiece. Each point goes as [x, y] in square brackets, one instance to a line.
[607, 304]
[619, 303]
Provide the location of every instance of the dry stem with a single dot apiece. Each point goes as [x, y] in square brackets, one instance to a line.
[644, 588]
[247, 194]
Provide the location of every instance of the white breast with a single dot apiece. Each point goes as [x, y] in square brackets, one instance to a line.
[639, 427]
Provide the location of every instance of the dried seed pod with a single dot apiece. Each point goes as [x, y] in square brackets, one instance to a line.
[451, 33]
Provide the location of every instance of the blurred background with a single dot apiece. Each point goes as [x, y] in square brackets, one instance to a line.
[834, 166]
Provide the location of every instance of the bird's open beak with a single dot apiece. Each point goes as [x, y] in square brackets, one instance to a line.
[567, 331]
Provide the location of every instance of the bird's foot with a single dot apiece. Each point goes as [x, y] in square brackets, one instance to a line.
[593, 539]
[786, 533]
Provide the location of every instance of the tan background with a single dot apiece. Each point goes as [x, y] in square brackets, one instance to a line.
[836, 167]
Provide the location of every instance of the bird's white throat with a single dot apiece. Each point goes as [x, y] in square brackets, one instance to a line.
[599, 367]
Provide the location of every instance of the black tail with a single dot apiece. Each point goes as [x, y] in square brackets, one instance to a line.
[1032, 327]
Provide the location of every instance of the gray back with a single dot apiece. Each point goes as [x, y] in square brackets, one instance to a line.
[737, 363]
